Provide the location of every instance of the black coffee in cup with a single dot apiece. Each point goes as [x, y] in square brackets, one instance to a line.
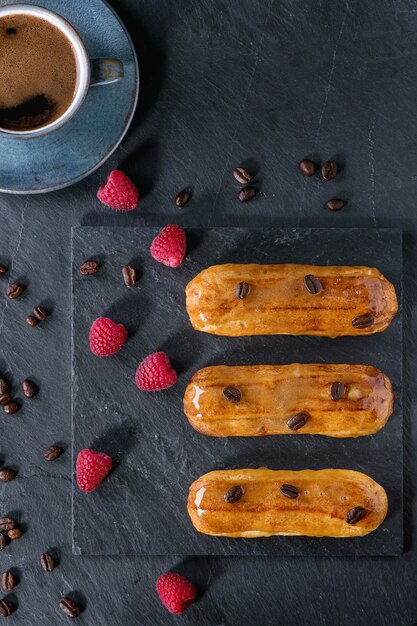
[37, 72]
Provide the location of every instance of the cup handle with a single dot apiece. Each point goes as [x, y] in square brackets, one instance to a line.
[106, 71]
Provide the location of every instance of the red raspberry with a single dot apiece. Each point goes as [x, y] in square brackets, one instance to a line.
[106, 337]
[169, 246]
[119, 192]
[176, 592]
[155, 373]
[92, 468]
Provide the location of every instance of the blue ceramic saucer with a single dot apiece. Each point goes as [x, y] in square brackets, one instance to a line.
[72, 152]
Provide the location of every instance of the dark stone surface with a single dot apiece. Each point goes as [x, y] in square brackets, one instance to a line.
[223, 83]
[156, 451]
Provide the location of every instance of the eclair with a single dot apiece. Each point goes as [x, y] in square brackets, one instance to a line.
[262, 503]
[315, 399]
[237, 300]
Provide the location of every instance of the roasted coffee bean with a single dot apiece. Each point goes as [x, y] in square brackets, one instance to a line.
[4, 386]
[335, 204]
[11, 408]
[15, 290]
[29, 389]
[355, 515]
[40, 313]
[232, 394]
[363, 321]
[312, 284]
[14, 534]
[32, 321]
[329, 170]
[7, 581]
[3, 271]
[297, 421]
[52, 453]
[70, 607]
[5, 398]
[242, 290]
[6, 607]
[3, 541]
[7, 523]
[89, 268]
[7, 474]
[337, 390]
[242, 176]
[233, 494]
[307, 167]
[246, 194]
[289, 491]
[47, 562]
[129, 275]
[182, 198]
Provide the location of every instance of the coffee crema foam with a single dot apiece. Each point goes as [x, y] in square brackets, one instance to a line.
[37, 72]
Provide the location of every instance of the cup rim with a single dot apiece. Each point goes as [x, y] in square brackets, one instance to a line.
[81, 57]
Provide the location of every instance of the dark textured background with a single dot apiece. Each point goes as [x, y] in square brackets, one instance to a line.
[222, 83]
[157, 453]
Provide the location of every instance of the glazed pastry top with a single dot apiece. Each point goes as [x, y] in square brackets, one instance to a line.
[335, 400]
[238, 299]
[263, 502]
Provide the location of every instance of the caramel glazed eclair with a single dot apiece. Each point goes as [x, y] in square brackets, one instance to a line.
[320, 399]
[262, 502]
[237, 300]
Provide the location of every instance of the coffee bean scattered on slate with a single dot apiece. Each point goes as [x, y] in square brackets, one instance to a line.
[297, 421]
[242, 290]
[14, 534]
[289, 491]
[69, 607]
[15, 290]
[242, 175]
[29, 389]
[5, 398]
[4, 386]
[355, 515]
[182, 198]
[312, 284]
[337, 390]
[53, 453]
[7, 474]
[47, 562]
[329, 170]
[6, 607]
[232, 394]
[129, 275]
[40, 313]
[246, 194]
[12, 407]
[7, 581]
[32, 321]
[89, 268]
[363, 321]
[307, 167]
[233, 494]
[3, 271]
[7, 523]
[335, 204]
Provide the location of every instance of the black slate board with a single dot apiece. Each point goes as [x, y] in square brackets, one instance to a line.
[141, 508]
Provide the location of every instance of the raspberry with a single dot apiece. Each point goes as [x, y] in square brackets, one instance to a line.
[91, 469]
[155, 373]
[175, 592]
[119, 192]
[169, 246]
[106, 337]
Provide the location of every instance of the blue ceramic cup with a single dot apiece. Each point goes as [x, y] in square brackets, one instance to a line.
[90, 72]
